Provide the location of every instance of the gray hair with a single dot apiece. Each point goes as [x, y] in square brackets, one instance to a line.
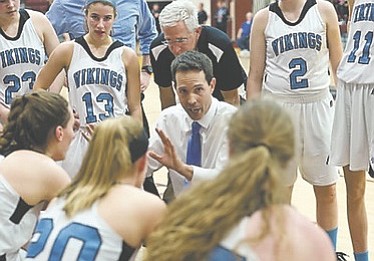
[180, 10]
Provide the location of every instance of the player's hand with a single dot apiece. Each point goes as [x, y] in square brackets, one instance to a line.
[145, 79]
[88, 132]
[76, 121]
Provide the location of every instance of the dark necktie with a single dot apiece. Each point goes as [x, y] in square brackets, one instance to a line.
[194, 148]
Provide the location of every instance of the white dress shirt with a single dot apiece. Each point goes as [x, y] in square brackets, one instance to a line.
[176, 124]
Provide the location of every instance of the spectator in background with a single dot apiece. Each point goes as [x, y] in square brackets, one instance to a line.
[156, 13]
[221, 16]
[202, 16]
[243, 35]
[341, 7]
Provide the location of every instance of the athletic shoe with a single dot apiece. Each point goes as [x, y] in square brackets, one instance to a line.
[340, 256]
[371, 171]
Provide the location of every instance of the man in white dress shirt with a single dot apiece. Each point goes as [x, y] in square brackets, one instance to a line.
[192, 74]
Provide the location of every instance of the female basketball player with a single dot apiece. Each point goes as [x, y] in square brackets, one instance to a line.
[26, 37]
[103, 76]
[293, 43]
[38, 132]
[104, 208]
[353, 131]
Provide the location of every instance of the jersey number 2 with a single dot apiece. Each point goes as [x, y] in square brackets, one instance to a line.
[89, 236]
[300, 69]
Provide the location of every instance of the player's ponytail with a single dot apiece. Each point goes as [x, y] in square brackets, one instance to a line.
[7, 143]
[31, 120]
[261, 142]
[116, 144]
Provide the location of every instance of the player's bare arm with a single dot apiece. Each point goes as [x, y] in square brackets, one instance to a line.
[257, 59]
[334, 44]
[130, 60]
[59, 60]
[145, 76]
[231, 96]
[167, 97]
[50, 41]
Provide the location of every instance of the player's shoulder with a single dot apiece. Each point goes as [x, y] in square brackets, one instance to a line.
[38, 163]
[41, 23]
[262, 15]
[142, 202]
[36, 16]
[65, 49]
[260, 20]
[326, 10]
[324, 3]
[325, 7]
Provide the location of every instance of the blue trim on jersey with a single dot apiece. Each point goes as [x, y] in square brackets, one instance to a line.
[220, 253]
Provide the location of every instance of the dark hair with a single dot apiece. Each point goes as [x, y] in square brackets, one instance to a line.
[193, 61]
[111, 3]
[31, 120]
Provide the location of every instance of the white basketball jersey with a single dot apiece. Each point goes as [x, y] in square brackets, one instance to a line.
[97, 86]
[84, 237]
[21, 58]
[234, 246]
[17, 221]
[297, 58]
[357, 64]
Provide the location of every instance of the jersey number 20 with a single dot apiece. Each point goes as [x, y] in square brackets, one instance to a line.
[89, 236]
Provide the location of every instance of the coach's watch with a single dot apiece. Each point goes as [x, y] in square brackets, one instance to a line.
[148, 69]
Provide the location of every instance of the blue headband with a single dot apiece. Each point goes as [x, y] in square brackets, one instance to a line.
[110, 2]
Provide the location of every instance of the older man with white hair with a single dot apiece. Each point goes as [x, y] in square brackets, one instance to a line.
[181, 32]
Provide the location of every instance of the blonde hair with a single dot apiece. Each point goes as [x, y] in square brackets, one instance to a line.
[262, 141]
[109, 157]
